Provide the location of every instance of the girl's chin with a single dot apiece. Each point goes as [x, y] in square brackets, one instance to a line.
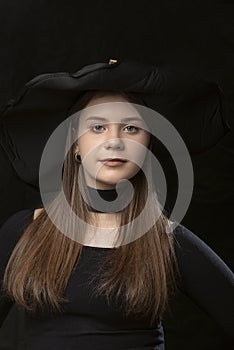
[108, 182]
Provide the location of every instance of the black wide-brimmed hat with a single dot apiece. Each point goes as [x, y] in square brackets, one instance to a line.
[196, 108]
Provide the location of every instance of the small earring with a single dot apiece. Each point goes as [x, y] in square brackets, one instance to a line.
[77, 157]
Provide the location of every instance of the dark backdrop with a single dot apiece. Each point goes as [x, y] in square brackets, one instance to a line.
[48, 36]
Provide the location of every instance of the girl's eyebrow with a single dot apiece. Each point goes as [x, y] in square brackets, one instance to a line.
[106, 120]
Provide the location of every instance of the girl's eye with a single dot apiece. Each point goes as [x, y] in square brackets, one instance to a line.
[132, 126]
[93, 127]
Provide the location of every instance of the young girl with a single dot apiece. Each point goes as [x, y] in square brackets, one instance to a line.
[95, 291]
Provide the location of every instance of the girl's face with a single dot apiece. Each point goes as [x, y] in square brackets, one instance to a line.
[110, 130]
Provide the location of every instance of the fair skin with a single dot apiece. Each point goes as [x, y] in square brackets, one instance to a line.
[112, 138]
[36, 213]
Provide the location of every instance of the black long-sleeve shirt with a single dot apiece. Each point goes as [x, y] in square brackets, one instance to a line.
[91, 323]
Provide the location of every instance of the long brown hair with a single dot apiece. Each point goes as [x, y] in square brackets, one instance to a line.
[142, 272]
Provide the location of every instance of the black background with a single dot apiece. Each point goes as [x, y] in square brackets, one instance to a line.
[50, 36]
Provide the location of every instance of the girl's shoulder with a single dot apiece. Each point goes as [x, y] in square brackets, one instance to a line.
[20, 216]
[11, 231]
[13, 227]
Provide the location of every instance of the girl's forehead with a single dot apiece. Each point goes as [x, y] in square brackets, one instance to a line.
[114, 111]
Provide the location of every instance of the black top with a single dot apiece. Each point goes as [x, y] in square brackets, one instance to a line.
[89, 322]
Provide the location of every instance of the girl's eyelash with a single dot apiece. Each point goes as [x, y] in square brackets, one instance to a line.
[136, 128]
[92, 126]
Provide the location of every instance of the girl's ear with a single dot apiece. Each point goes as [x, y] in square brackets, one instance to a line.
[76, 149]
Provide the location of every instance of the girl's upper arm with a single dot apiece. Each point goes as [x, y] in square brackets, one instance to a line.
[205, 278]
[10, 233]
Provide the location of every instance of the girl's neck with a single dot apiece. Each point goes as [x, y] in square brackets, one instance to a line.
[109, 196]
[105, 218]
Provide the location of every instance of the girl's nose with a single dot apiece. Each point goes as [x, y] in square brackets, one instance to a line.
[114, 137]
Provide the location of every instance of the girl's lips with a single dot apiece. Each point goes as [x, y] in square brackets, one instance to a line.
[114, 159]
[113, 162]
